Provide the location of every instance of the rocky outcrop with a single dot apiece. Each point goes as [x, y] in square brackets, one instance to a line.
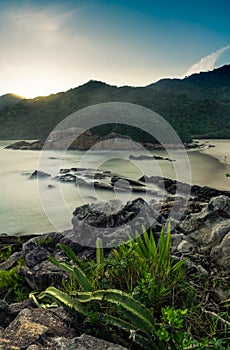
[25, 145]
[202, 236]
[19, 145]
[203, 194]
[203, 233]
[79, 139]
[91, 178]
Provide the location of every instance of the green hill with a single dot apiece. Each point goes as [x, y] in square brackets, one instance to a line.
[214, 84]
[197, 106]
[9, 100]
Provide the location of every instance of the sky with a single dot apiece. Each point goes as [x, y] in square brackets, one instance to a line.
[52, 46]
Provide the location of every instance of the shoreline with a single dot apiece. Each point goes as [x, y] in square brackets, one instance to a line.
[218, 152]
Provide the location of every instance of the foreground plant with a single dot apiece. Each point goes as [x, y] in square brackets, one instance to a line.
[12, 285]
[143, 307]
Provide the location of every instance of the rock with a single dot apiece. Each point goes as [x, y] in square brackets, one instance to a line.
[67, 178]
[220, 203]
[50, 186]
[104, 180]
[37, 145]
[117, 142]
[209, 230]
[39, 174]
[33, 325]
[19, 145]
[35, 347]
[144, 157]
[194, 268]
[25, 145]
[43, 329]
[131, 182]
[5, 314]
[219, 295]
[221, 253]
[184, 247]
[203, 194]
[64, 171]
[38, 271]
[111, 221]
[82, 343]
[15, 308]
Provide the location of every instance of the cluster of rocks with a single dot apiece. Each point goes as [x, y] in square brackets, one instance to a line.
[202, 236]
[98, 179]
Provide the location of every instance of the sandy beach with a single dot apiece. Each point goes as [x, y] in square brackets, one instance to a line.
[221, 151]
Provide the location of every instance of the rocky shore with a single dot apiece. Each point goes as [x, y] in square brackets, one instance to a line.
[77, 139]
[202, 236]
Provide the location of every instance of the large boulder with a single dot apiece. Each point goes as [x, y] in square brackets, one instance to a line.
[209, 230]
[82, 343]
[111, 221]
[33, 326]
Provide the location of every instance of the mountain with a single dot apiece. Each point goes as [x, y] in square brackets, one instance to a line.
[197, 106]
[214, 84]
[9, 100]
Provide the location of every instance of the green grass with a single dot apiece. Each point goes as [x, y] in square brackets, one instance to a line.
[13, 287]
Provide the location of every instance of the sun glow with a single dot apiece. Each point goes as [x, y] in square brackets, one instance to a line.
[38, 86]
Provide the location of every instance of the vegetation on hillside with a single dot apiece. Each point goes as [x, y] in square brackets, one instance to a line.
[211, 85]
[197, 106]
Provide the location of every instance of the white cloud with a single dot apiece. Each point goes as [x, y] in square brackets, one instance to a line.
[206, 63]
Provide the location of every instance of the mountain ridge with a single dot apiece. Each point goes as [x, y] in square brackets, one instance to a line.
[193, 85]
[202, 109]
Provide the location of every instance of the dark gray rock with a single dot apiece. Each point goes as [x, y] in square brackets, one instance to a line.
[110, 221]
[82, 343]
[50, 186]
[5, 314]
[19, 145]
[39, 174]
[145, 157]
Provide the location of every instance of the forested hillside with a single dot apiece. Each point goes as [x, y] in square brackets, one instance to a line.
[197, 106]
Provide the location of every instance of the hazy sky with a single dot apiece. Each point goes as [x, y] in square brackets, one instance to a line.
[52, 46]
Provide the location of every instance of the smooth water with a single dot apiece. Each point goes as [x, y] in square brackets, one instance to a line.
[21, 210]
